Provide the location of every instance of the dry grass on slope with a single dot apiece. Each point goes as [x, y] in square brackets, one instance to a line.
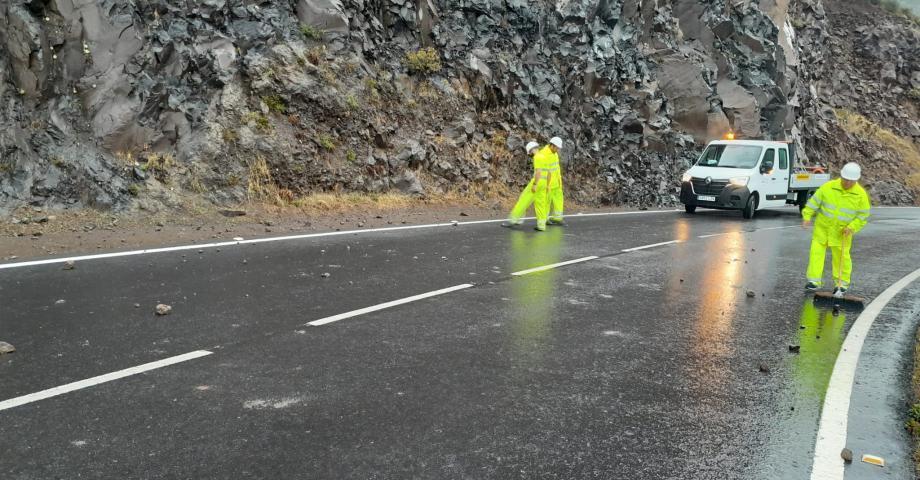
[869, 131]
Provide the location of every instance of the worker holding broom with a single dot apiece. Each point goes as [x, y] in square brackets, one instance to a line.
[842, 208]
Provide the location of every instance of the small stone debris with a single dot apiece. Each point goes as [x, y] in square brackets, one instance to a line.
[69, 265]
[233, 213]
[444, 258]
[163, 309]
[801, 327]
[245, 261]
[847, 455]
[360, 224]
[751, 294]
[681, 280]
[6, 348]
[60, 302]
[326, 275]
[763, 368]
[237, 239]
[137, 305]
[794, 348]
[454, 223]
[161, 224]
[200, 251]
[464, 214]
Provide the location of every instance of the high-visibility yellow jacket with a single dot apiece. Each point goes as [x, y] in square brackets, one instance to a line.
[547, 163]
[837, 209]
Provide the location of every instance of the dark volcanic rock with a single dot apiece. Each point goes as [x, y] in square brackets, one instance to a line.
[123, 104]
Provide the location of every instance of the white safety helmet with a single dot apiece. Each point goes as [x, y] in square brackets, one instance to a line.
[531, 145]
[556, 141]
[851, 171]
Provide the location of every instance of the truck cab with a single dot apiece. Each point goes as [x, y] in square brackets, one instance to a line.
[748, 175]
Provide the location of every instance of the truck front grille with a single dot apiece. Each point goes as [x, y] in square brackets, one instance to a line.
[715, 188]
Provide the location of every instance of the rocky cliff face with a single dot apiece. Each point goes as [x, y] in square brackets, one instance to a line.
[125, 104]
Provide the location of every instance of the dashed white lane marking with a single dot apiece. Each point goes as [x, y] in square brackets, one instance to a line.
[554, 265]
[644, 247]
[382, 306]
[108, 377]
[203, 246]
[832, 430]
[747, 231]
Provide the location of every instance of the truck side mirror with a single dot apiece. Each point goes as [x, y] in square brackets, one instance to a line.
[766, 166]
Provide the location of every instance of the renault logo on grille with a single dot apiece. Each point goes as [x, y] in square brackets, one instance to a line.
[708, 180]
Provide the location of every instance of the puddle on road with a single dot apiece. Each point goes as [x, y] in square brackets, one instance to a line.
[790, 444]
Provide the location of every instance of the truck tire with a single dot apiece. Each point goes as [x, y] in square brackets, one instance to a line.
[750, 208]
[690, 208]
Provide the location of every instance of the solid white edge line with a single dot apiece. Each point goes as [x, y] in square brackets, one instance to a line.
[643, 247]
[832, 429]
[777, 228]
[383, 306]
[554, 265]
[108, 377]
[98, 256]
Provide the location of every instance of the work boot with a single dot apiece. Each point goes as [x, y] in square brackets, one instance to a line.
[839, 292]
[558, 223]
[811, 286]
[510, 224]
[539, 228]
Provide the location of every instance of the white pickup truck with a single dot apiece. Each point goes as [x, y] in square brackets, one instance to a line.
[748, 175]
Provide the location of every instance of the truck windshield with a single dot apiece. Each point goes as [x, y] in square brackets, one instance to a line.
[730, 156]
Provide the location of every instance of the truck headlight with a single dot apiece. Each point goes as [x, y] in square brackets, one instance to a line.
[686, 177]
[739, 181]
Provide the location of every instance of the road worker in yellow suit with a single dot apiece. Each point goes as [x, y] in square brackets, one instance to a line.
[547, 201]
[527, 195]
[842, 209]
[553, 169]
[544, 189]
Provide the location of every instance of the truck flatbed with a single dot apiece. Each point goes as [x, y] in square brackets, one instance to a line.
[805, 180]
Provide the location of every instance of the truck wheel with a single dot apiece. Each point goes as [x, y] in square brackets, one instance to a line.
[750, 208]
[690, 208]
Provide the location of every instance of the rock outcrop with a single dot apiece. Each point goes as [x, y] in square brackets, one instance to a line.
[121, 104]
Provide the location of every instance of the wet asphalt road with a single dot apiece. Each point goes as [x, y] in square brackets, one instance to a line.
[635, 365]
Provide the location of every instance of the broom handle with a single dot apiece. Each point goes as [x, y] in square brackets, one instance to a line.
[838, 281]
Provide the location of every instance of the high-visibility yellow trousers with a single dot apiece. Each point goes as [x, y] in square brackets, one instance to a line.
[523, 203]
[556, 200]
[541, 203]
[842, 264]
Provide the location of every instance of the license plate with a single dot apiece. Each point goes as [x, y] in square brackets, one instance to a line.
[705, 198]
